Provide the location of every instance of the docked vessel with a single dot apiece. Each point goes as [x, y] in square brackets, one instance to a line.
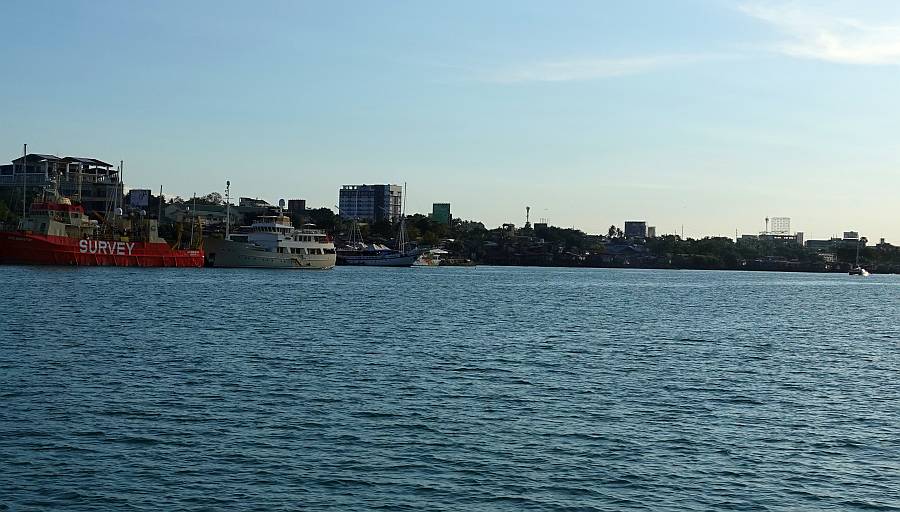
[441, 258]
[375, 255]
[359, 253]
[59, 233]
[273, 242]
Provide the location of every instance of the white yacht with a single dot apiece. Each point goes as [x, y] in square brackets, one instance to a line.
[273, 242]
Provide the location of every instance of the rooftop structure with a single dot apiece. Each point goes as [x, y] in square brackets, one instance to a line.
[781, 226]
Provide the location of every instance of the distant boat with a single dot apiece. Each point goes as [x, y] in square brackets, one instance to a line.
[376, 256]
[857, 270]
[441, 258]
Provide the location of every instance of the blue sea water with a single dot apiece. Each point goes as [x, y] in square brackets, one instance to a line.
[448, 389]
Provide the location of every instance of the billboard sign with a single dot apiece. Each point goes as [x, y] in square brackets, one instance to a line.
[140, 198]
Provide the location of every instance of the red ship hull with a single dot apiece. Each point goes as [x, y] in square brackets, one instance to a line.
[23, 248]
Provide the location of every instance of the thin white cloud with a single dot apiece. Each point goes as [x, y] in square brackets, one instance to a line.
[822, 32]
[588, 69]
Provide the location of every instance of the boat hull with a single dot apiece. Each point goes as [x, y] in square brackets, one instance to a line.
[229, 254]
[378, 260]
[25, 248]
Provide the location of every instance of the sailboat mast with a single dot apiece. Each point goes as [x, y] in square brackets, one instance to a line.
[403, 221]
[24, 179]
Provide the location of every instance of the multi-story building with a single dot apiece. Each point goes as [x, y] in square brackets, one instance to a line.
[781, 226]
[775, 238]
[635, 229]
[440, 213]
[94, 184]
[371, 202]
[651, 231]
[296, 205]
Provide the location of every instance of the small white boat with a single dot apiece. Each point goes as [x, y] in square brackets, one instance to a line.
[431, 258]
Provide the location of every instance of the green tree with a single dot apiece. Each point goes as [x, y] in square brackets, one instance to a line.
[5, 214]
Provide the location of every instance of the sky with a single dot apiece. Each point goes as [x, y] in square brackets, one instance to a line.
[705, 116]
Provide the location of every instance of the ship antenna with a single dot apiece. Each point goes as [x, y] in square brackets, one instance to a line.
[227, 208]
[192, 220]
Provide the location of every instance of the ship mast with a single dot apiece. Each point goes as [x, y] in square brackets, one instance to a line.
[402, 240]
[120, 188]
[24, 179]
[227, 208]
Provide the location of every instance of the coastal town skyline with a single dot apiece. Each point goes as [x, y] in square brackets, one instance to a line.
[641, 112]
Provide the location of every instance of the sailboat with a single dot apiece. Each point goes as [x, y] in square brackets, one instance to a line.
[857, 270]
[360, 253]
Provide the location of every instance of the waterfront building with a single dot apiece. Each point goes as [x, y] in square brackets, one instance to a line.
[783, 238]
[205, 214]
[371, 202]
[210, 214]
[251, 202]
[823, 245]
[851, 235]
[635, 229]
[651, 231]
[440, 213]
[777, 238]
[94, 184]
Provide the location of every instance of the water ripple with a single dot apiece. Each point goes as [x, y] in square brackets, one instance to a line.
[448, 389]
